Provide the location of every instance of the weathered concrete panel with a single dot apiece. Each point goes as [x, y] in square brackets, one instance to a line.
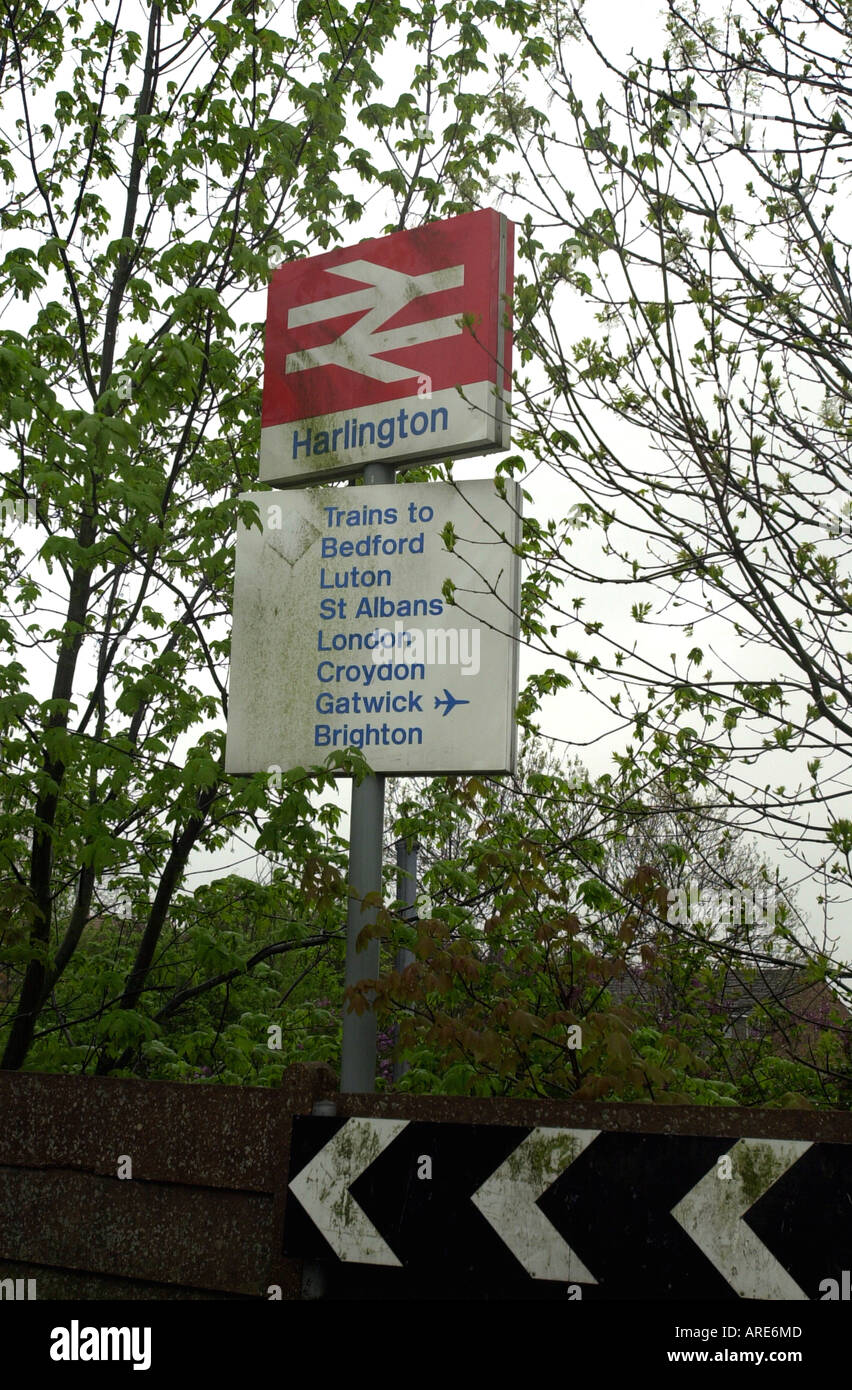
[73, 1285]
[208, 1136]
[820, 1126]
[204, 1238]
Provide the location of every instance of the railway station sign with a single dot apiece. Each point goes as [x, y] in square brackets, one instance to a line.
[383, 619]
[395, 350]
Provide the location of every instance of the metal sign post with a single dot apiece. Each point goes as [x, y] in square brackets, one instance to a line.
[358, 1052]
[406, 892]
[366, 842]
[410, 654]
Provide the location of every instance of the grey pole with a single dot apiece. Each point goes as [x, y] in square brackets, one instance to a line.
[366, 828]
[406, 892]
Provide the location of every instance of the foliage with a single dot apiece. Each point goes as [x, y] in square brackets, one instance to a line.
[278, 1000]
[154, 176]
[685, 297]
[157, 162]
[546, 962]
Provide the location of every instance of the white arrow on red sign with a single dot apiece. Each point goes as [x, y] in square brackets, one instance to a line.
[356, 348]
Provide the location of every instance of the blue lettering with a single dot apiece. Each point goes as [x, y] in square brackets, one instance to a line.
[301, 443]
[361, 736]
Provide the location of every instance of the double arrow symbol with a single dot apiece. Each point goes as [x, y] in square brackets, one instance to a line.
[711, 1213]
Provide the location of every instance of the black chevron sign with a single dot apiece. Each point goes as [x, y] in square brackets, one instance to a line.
[397, 1208]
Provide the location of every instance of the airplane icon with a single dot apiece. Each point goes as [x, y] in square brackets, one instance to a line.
[451, 701]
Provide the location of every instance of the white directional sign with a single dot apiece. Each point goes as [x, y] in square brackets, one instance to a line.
[382, 619]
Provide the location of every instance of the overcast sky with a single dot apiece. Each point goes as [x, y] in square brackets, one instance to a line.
[576, 719]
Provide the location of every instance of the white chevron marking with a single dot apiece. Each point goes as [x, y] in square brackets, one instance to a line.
[323, 1185]
[712, 1214]
[508, 1199]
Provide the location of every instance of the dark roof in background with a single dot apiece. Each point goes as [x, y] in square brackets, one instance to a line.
[782, 983]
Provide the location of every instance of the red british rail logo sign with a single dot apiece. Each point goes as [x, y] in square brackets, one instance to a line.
[396, 350]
